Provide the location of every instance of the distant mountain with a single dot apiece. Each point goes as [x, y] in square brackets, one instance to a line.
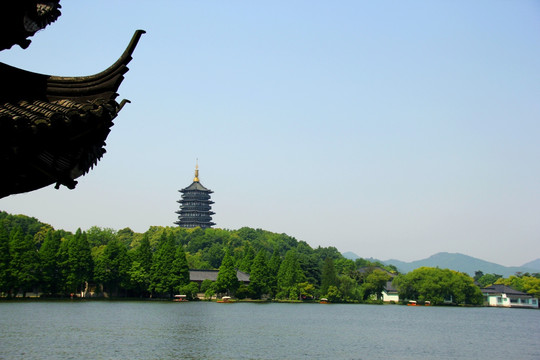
[535, 264]
[350, 255]
[458, 262]
[463, 263]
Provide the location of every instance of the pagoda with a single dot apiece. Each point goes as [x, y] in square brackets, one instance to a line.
[195, 206]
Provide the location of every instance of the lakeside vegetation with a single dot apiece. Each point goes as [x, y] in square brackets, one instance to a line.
[35, 257]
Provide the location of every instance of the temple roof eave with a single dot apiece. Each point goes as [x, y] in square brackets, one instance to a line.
[183, 211]
[53, 129]
[29, 86]
[202, 224]
[106, 82]
[20, 20]
[195, 185]
[197, 204]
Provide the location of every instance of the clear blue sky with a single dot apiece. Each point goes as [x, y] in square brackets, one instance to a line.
[393, 129]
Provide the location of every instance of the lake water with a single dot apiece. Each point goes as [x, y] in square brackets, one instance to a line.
[202, 330]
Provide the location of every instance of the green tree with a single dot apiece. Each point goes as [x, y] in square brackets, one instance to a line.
[289, 275]
[190, 290]
[247, 260]
[349, 289]
[247, 234]
[27, 225]
[5, 257]
[478, 274]
[326, 252]
[141, 266]
[310, 264]
[531, 285]
[242, 292]
[209, 291]
[345, 267]
[273, 268]
[196, 261]
[197, 241]
[329, 276]
[51, 276]
[464, 291]
[258, 280]
[375, 284]
[63, 265]
[162, 266]
[524, 282]
[213, 255]
[227, 280]
[488, 279]
[112, 267]
[360, 263]
[143, 253]
[307, 290]
[206, 284]
[39, 237]
[80, 266]
[97, 236]
[437, 286]
[180, 270]
[125, 236]
[24, 262]
[334, 295]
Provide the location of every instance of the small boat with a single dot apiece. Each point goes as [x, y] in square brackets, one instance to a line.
[225, 299]
[324, 301]
[414, 303]
[180, 298]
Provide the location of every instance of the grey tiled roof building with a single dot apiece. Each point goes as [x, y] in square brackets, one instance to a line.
[200, 275]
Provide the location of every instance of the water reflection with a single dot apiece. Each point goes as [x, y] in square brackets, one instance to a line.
[166, 330]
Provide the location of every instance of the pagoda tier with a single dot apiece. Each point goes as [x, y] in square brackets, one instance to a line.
[195, 206]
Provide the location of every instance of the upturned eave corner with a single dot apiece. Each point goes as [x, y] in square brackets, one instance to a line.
[54, 128]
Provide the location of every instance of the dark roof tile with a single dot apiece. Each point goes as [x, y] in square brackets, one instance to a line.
[53, 129]
[502, 289]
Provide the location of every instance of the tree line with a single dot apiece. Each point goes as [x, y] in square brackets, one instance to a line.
[36, 257]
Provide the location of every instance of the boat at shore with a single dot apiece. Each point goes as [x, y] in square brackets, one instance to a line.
[415, 303]
[180, 298]
[225, 299]
[324, 301]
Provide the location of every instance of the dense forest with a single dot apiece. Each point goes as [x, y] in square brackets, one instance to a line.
[36, 258]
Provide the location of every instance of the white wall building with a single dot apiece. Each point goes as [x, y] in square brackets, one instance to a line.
[504, 296]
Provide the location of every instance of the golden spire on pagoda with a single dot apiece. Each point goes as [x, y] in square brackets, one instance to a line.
[196, 179]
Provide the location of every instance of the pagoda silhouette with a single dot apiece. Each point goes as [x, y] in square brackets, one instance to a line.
[195, 205]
